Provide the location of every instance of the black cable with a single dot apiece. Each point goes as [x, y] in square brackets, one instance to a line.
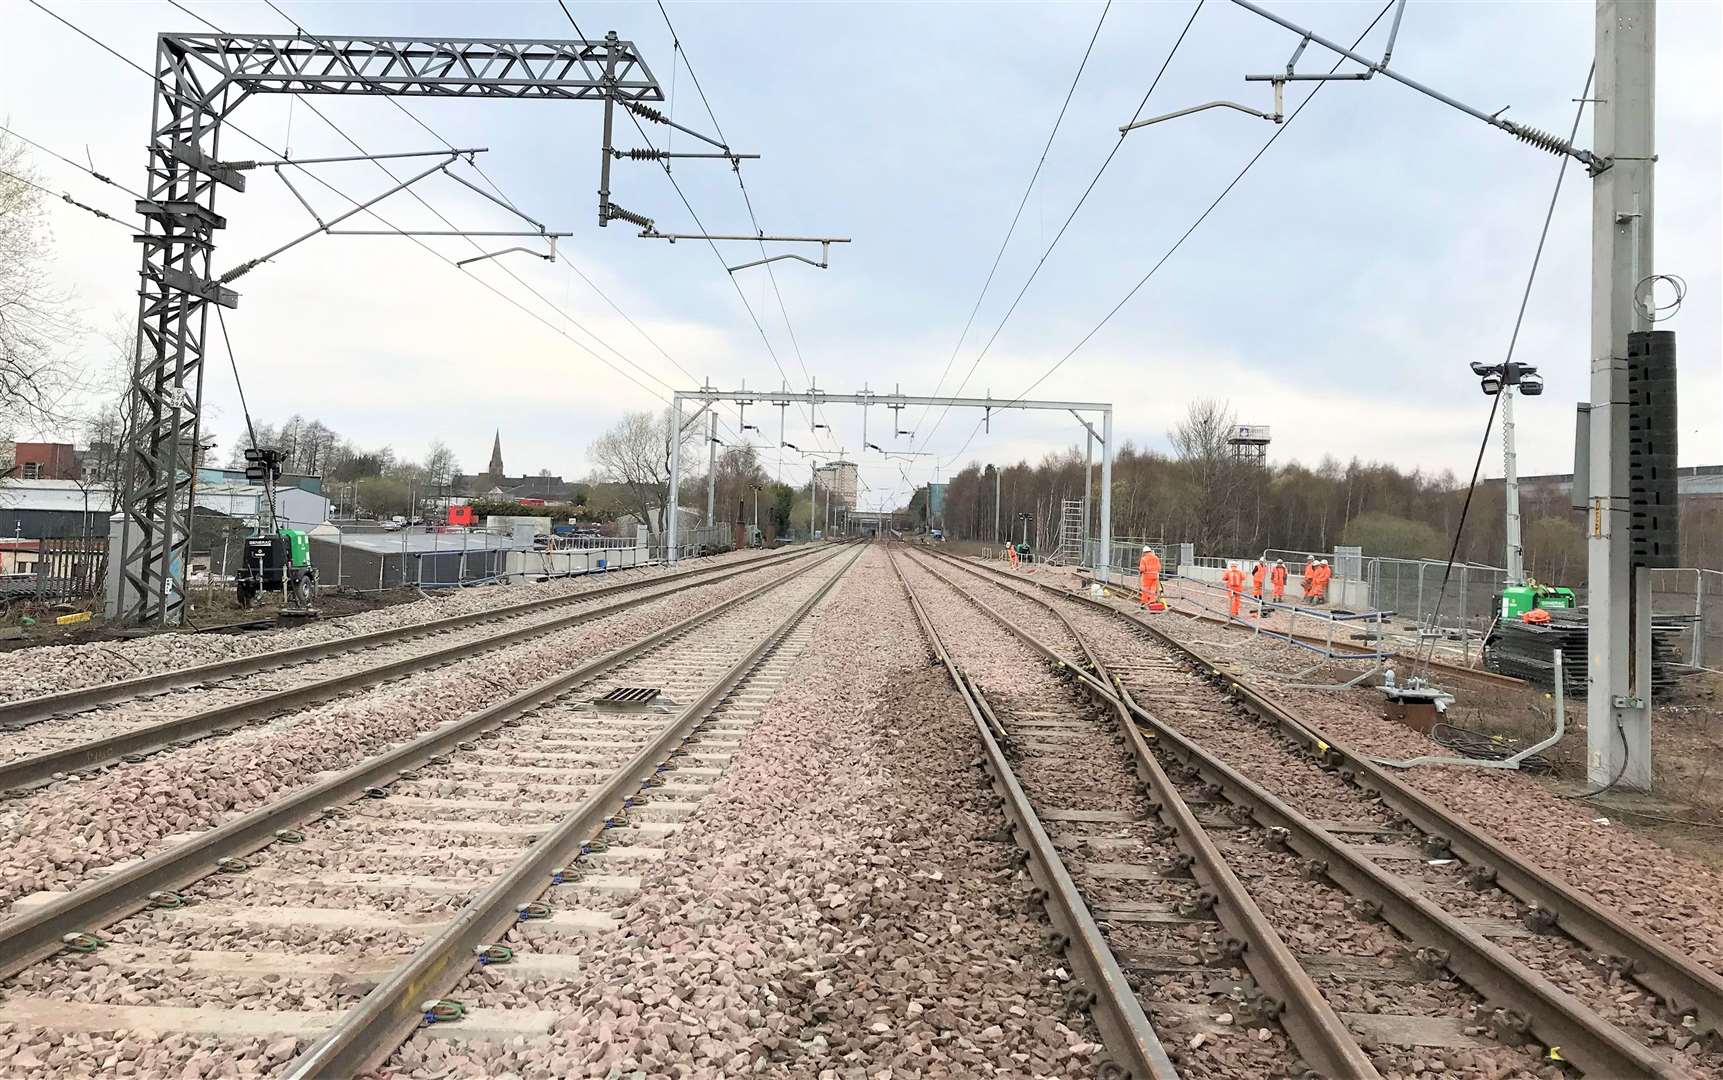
[1060, 235]
[1278, 132]
[1011, 229]
[754, 318]
[1495, 400]
[63, 197]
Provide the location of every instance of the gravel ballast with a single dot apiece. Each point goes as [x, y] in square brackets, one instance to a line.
[1616, 864]
[836, 908]
[52, 837]
[56, 668]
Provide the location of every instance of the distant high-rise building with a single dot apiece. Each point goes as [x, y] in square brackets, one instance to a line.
[842, 479]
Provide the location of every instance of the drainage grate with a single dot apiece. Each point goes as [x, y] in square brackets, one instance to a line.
[625, 697]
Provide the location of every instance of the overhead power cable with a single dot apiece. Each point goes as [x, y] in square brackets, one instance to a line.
[1011, 230]
[65, 198]
[265, 145]
[1072, 216]
[1144, 280]
[501, 194]
[1496, 399]
[680, 194]
[426, 203]
[736, 169]
[81, 167]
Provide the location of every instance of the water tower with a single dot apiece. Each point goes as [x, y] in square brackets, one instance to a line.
[1249, 443]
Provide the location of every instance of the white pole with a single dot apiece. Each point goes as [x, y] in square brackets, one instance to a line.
[1105, 570]
[712, 467]
[675, 478]
[1618, 713]
[1088, 484]
[1511, 491]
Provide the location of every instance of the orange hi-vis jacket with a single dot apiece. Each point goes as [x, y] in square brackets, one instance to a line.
[1278, 578]
[1233, 579]
[1149, 566]
[1256, 579]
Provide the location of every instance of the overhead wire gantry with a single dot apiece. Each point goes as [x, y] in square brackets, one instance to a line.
[708, 398]
[200, 79]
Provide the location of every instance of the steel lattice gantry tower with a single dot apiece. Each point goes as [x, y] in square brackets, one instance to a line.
[200, 79]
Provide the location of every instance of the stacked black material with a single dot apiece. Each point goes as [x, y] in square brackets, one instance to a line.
[1526, 651]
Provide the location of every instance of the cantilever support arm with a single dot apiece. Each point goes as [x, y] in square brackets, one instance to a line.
[821, 265]
[1543, 140]
[1274, 117]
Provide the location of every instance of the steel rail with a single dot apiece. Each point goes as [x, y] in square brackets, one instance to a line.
[32, 936]
[43, 768]
[15, 715]
[1126, 1029]
[367, 1034]
[1528, 1003]
[1312, 1025]
[1682, 984]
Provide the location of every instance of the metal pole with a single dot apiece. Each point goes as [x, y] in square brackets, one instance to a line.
[1511, 490]
[997, 472]
[1618, 715]
[675, 433]
[813, 497]
[1104, 571]
[1088, 483]
[712, 466]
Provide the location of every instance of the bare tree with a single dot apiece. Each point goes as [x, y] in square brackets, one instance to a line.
[636, 454]
[34, 318]
[1215, 479]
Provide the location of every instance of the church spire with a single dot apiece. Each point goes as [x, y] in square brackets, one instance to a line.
[496, 470]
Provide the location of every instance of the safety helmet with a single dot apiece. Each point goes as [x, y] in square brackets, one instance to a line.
[1145, 547]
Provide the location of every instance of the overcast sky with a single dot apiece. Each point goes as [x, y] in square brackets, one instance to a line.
[1336, 294]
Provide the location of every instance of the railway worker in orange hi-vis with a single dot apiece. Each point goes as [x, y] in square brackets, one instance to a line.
[1323, 573]
[1309, 578]
[1233, 579]
[1257, 574]
[1149, 569]
[1277, 578]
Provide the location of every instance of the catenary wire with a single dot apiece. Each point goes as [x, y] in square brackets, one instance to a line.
[1011, 229]
[1495, 400]
[680, 194]
[736, 169]
[1162, 261]
[1072, 216]
[63, 197]
[426, 204]
[265, 145]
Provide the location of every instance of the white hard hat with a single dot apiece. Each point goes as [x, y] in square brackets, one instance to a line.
[1145, 547]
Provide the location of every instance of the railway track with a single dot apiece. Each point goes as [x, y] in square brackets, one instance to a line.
[493, 841]
[1559, 972]
[76, 731]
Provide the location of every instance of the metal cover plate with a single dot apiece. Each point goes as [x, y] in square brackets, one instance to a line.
[628, 697]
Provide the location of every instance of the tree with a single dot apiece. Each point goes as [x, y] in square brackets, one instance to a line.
[1214, 480]
[636, 455]
[1397, 537]
[440, 466]
[33, 318]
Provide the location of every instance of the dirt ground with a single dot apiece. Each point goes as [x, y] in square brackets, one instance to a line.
[219, 614]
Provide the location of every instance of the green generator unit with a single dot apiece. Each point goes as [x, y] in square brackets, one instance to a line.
[272, 562]
[1519, 599]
